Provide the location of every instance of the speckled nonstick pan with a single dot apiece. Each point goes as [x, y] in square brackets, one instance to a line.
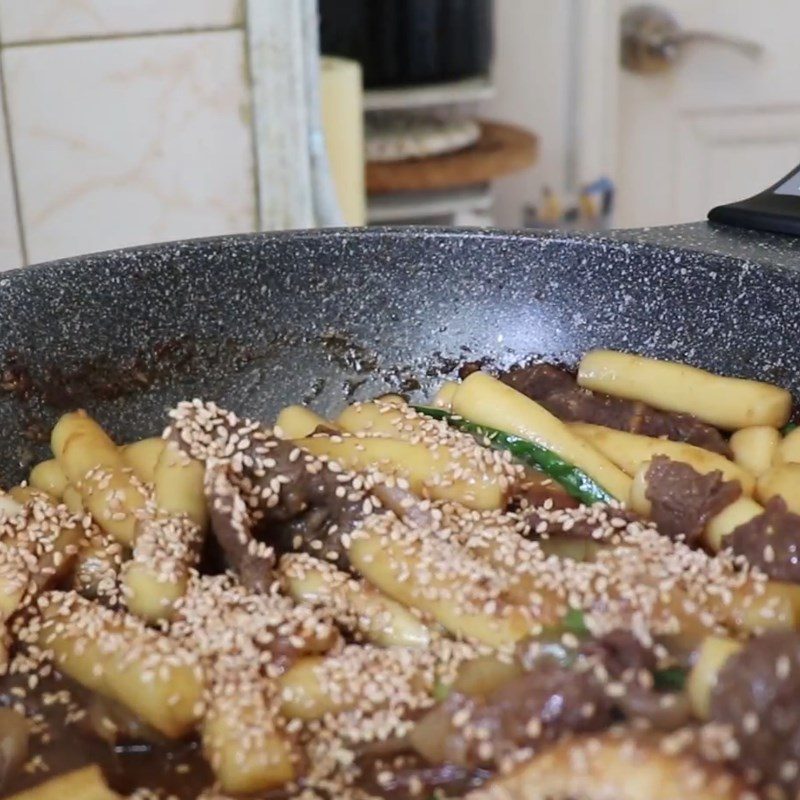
[323, 317]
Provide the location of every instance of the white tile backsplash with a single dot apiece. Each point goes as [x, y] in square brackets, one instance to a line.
[128, 141]
[10, 251]
[40, 20]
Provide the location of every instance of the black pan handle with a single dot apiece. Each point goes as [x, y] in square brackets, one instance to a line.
[776, 209]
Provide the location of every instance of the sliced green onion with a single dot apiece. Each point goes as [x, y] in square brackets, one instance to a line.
[671, 679]
[576, 482]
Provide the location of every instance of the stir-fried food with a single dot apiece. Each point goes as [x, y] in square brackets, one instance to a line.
[534, 586]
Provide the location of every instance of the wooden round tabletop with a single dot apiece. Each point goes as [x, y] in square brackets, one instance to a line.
[501, 149]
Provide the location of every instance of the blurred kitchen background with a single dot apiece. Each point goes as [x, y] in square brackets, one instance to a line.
[134, 121]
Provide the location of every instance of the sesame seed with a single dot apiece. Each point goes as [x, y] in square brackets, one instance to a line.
[750, 722]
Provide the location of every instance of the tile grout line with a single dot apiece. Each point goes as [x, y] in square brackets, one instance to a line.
[12, 164]
[248, 55]
[106, 37]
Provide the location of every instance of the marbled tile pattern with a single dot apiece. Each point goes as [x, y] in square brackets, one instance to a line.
[10, 251]
[41, 20]
[323, 317]
[125, 141]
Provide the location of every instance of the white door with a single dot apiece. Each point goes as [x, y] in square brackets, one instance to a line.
[718, 125]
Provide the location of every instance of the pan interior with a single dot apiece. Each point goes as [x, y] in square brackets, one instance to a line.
[256, 322]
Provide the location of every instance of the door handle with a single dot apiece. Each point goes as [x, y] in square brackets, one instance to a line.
[652, 40]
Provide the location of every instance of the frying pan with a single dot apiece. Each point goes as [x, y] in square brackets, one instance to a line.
[323, 317]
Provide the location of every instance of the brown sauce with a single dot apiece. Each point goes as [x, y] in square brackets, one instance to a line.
[63, 744]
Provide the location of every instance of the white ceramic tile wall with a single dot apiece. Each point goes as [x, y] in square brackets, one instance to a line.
[127, 141]
[38, 20]
[10, 251]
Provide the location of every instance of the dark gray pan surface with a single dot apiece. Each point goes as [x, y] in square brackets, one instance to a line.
[322, 317]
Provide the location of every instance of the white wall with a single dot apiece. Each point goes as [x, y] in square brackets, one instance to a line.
[532, 62]
[125, 122]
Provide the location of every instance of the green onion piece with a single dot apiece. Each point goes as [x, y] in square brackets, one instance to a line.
[574, 622]
[576, 482]
[441, 690]
[671, 679]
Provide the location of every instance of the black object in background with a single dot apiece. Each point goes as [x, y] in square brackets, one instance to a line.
[776, 209]
[402, 42]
